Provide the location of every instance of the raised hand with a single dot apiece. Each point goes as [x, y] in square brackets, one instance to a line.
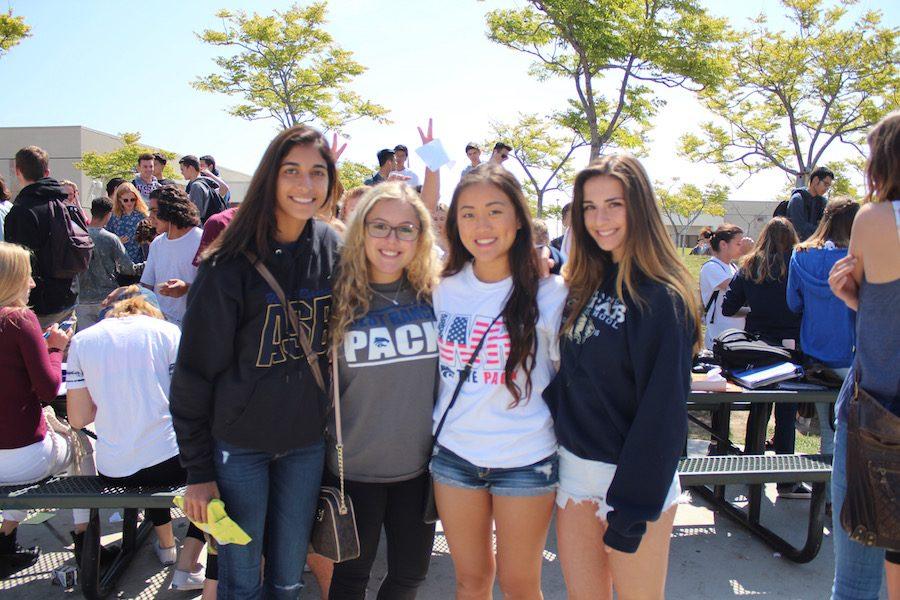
[426, 137]
[335, 150]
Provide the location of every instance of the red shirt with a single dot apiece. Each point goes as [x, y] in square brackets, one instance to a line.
[29, 375]
[212, 229]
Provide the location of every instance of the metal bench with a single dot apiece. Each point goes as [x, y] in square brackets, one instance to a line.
[93, 493]
[700, 472]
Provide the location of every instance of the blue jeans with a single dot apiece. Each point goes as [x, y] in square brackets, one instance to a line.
[533, 480]
[857, 569]
[271, 496]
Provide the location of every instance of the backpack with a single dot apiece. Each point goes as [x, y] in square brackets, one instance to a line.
[69, 246]
[735, 350]
[214, 204]
[781, 209]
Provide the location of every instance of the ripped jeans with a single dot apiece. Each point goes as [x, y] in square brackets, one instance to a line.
[272, 496]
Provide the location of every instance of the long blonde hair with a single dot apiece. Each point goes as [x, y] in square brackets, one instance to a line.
[119, 209]
[15, 271]
[352, 294]
[648, 248]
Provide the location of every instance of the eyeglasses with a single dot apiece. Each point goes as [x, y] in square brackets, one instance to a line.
[129, 200]
[404, 233]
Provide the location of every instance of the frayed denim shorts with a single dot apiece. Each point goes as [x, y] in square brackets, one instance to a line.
[532, 480]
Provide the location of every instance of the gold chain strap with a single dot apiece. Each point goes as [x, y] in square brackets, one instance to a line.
[339, 442]
[342, 507]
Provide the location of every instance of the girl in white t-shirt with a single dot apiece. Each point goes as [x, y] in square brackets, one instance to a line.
[726, 245]
[495, 457]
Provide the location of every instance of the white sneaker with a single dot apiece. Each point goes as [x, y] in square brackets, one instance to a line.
[183, 581]
[166, 556]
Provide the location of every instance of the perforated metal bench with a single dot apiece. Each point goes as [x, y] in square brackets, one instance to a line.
[700, 472]
[94, 494]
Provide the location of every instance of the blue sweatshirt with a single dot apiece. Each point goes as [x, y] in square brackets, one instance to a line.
[827, 328]
[770, 318]
[620, 398]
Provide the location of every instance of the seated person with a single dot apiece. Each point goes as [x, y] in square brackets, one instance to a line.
[129, 407]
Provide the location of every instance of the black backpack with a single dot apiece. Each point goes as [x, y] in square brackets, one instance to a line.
[69, 246]
[781, 209]
[735, 350]
[215, 203]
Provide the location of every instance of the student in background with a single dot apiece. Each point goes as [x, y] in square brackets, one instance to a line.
[715, 276]
[127, 213]
[619, 410]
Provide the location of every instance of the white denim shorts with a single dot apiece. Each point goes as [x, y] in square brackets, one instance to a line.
[582, 480]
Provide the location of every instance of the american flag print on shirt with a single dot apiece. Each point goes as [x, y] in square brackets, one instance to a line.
[459, 335]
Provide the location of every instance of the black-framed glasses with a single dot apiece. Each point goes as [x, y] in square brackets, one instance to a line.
[404, 232]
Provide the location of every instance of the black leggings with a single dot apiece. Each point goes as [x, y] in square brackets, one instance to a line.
[168, 472]
[398, 507]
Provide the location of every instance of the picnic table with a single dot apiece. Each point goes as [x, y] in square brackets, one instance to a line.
[755, 469]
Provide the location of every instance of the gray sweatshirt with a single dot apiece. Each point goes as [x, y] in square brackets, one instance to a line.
[108, 259]
[388, 378]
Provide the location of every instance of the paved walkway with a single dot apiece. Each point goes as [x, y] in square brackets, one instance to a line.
[710, 558]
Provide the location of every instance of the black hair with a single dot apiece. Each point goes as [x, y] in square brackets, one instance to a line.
[401, 148]
[502, 146]
[100, 207]
[191, 161]
[175, 207]
[144, 156]
[821, 173]
[112, 184]
[724, 233]
[384, 156]
[208, 159]
[160, 158]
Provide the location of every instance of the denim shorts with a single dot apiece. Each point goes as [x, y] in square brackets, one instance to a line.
[532, 480]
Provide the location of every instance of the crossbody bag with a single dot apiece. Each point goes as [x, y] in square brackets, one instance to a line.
[334, 534]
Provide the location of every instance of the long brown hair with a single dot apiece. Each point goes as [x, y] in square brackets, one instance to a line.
[767, 261]
[254, 225]
[835, 225]
[882, 172]
[648, 248]
[520, 315]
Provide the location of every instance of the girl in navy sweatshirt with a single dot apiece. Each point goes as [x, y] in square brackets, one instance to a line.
[619, 399]
[248, 413]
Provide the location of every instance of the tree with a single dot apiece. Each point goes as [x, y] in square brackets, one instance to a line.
[122, 161]
[635, 44]
[353, 174]
[682, 206]
[792, 95]
[286, 67]
[542, 151]
[12, 31]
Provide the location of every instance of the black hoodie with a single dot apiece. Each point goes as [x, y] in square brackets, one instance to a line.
[28, 224]
[241, 376]
[805, 211]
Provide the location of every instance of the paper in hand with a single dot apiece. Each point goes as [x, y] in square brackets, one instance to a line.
[434, 156]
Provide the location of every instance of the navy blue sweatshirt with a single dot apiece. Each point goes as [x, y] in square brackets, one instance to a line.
[241, 375]
[770, 318]
[620, 397]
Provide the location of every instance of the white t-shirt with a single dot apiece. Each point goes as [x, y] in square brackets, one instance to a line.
[481, 427]
[413, 180]
[712, 274]
[172, 259]
[126, 365]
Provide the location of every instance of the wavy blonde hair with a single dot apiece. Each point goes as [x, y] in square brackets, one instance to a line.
[139, 206]
[135, 303]
[352, 294]
[648, 248]
[15, 270]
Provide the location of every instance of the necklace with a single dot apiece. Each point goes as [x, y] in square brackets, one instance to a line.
[396, 295]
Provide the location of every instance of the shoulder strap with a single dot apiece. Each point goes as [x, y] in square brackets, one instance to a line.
[311, 357]
[715, 294]
[338, 431]
[463, 375]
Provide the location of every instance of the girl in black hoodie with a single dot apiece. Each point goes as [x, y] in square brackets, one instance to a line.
[247, 411]
[619, 399]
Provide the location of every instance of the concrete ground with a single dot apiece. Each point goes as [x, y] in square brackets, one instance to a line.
[710, 558]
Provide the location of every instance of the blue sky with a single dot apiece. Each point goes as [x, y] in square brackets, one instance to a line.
[129, 68]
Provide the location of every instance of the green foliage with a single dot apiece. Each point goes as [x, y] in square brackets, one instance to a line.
[286, 67]
[625, 44]
[793, 94]
[122, 162]
[543, 150]
[682, 206]
[353, 174]
[12, 31]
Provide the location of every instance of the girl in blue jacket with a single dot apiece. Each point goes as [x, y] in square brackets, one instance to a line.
[619, 399]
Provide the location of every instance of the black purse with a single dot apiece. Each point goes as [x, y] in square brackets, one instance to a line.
[871, 510]
[334, 534]
[429, 512]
